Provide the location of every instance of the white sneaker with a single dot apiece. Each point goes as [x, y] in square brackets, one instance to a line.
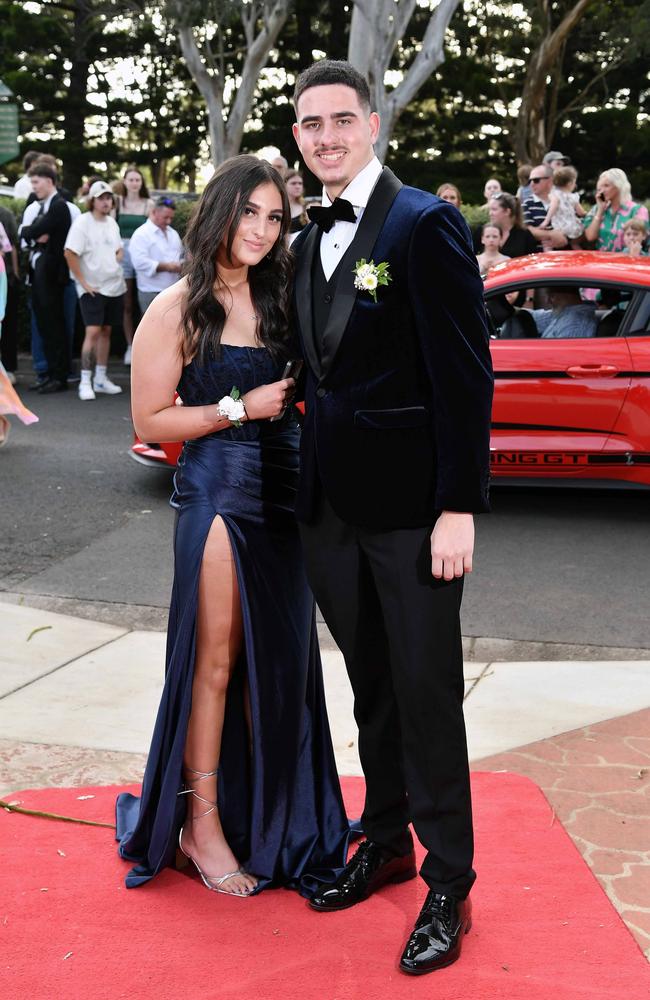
[127, 356]
[107, 387]
[86, 391]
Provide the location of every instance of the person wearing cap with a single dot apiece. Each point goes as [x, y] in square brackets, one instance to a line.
[555, 159]
[93, 251]
[156, 252]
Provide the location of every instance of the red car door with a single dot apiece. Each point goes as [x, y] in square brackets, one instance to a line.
[557, 400]
[632, 432]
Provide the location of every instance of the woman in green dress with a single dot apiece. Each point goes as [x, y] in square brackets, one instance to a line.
[133, 207]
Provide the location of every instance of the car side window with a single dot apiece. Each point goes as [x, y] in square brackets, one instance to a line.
[560, 312]
[641, 319]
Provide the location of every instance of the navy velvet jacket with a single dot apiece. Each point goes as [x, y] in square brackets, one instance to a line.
[397, 419]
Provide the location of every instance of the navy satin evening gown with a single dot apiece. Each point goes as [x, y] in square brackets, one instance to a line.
[279, 800]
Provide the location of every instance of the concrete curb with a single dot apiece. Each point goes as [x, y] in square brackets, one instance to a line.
[481, 649]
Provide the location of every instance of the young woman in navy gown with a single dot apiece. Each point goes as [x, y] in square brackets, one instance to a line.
[241, 773]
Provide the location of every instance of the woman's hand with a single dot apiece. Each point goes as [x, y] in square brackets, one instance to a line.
[269, 400]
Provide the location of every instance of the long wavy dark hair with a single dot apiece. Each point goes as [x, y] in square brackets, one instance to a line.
[214, 222]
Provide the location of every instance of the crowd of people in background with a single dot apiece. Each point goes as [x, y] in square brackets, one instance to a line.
[103, 257]
[546, 214]
[108, 253]
[547, 207]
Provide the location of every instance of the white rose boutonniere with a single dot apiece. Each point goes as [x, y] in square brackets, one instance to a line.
[368, 276]
[232, 407]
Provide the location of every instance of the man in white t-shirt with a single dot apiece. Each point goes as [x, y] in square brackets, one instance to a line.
[93, 251]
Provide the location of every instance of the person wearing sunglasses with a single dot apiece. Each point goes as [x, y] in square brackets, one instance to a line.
[156, 253]
[536, 208]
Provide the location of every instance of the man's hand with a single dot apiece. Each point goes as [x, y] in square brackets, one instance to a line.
[553, 239]
[452, 545]
[89, 288]
[44, 238]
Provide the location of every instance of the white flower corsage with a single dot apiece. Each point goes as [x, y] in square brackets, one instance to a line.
[368, 276]
[232, 407]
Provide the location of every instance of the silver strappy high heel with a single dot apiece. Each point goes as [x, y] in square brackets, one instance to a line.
[213, 882]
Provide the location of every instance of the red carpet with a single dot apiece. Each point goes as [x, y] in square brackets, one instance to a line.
[543, 928]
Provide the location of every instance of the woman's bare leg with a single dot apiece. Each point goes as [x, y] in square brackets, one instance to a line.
[218, 643]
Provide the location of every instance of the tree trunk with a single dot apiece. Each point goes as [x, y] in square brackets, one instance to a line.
[210, 88]
[531, 135]
[305, 37]
[159, 173]
[375, 32]
[227, 128]
[76, 109]
[337, 15]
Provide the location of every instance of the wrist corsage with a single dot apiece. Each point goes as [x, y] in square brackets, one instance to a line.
[368, 276]
[232, 407]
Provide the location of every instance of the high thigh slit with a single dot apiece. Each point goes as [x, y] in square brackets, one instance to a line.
[280, 805]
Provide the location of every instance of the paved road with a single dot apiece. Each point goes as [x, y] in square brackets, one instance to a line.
[81, 520]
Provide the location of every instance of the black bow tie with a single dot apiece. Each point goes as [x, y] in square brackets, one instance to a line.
[326, 217]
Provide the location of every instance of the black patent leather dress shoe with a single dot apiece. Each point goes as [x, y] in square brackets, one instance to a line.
[52, 385]
[371, 867]
[39, 383]
[438, 934]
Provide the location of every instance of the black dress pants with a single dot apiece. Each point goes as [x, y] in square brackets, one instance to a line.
[47, 302]
[399, 631]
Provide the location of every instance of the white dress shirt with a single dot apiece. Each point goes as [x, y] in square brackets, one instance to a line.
[149, 246]
[334, 244]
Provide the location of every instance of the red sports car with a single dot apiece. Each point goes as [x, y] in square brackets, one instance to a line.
[571, 352]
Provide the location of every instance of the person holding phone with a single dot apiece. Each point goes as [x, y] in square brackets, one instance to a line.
[241, 776]
[614, 207]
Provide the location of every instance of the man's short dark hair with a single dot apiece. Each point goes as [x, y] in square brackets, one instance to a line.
[163, 201]
[30, 158]
[332, 71]
[43, 170]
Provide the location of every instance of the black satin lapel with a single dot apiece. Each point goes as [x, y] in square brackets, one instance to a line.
[303, 293]
[345, 293]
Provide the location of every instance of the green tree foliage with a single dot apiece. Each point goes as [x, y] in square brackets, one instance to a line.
[462, 127]
[138, 102]
[315, 26]
[101, 84]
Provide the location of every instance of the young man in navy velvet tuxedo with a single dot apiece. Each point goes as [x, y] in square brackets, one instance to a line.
[395, 450]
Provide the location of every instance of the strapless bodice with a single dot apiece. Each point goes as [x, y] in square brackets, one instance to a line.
[243, 367]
